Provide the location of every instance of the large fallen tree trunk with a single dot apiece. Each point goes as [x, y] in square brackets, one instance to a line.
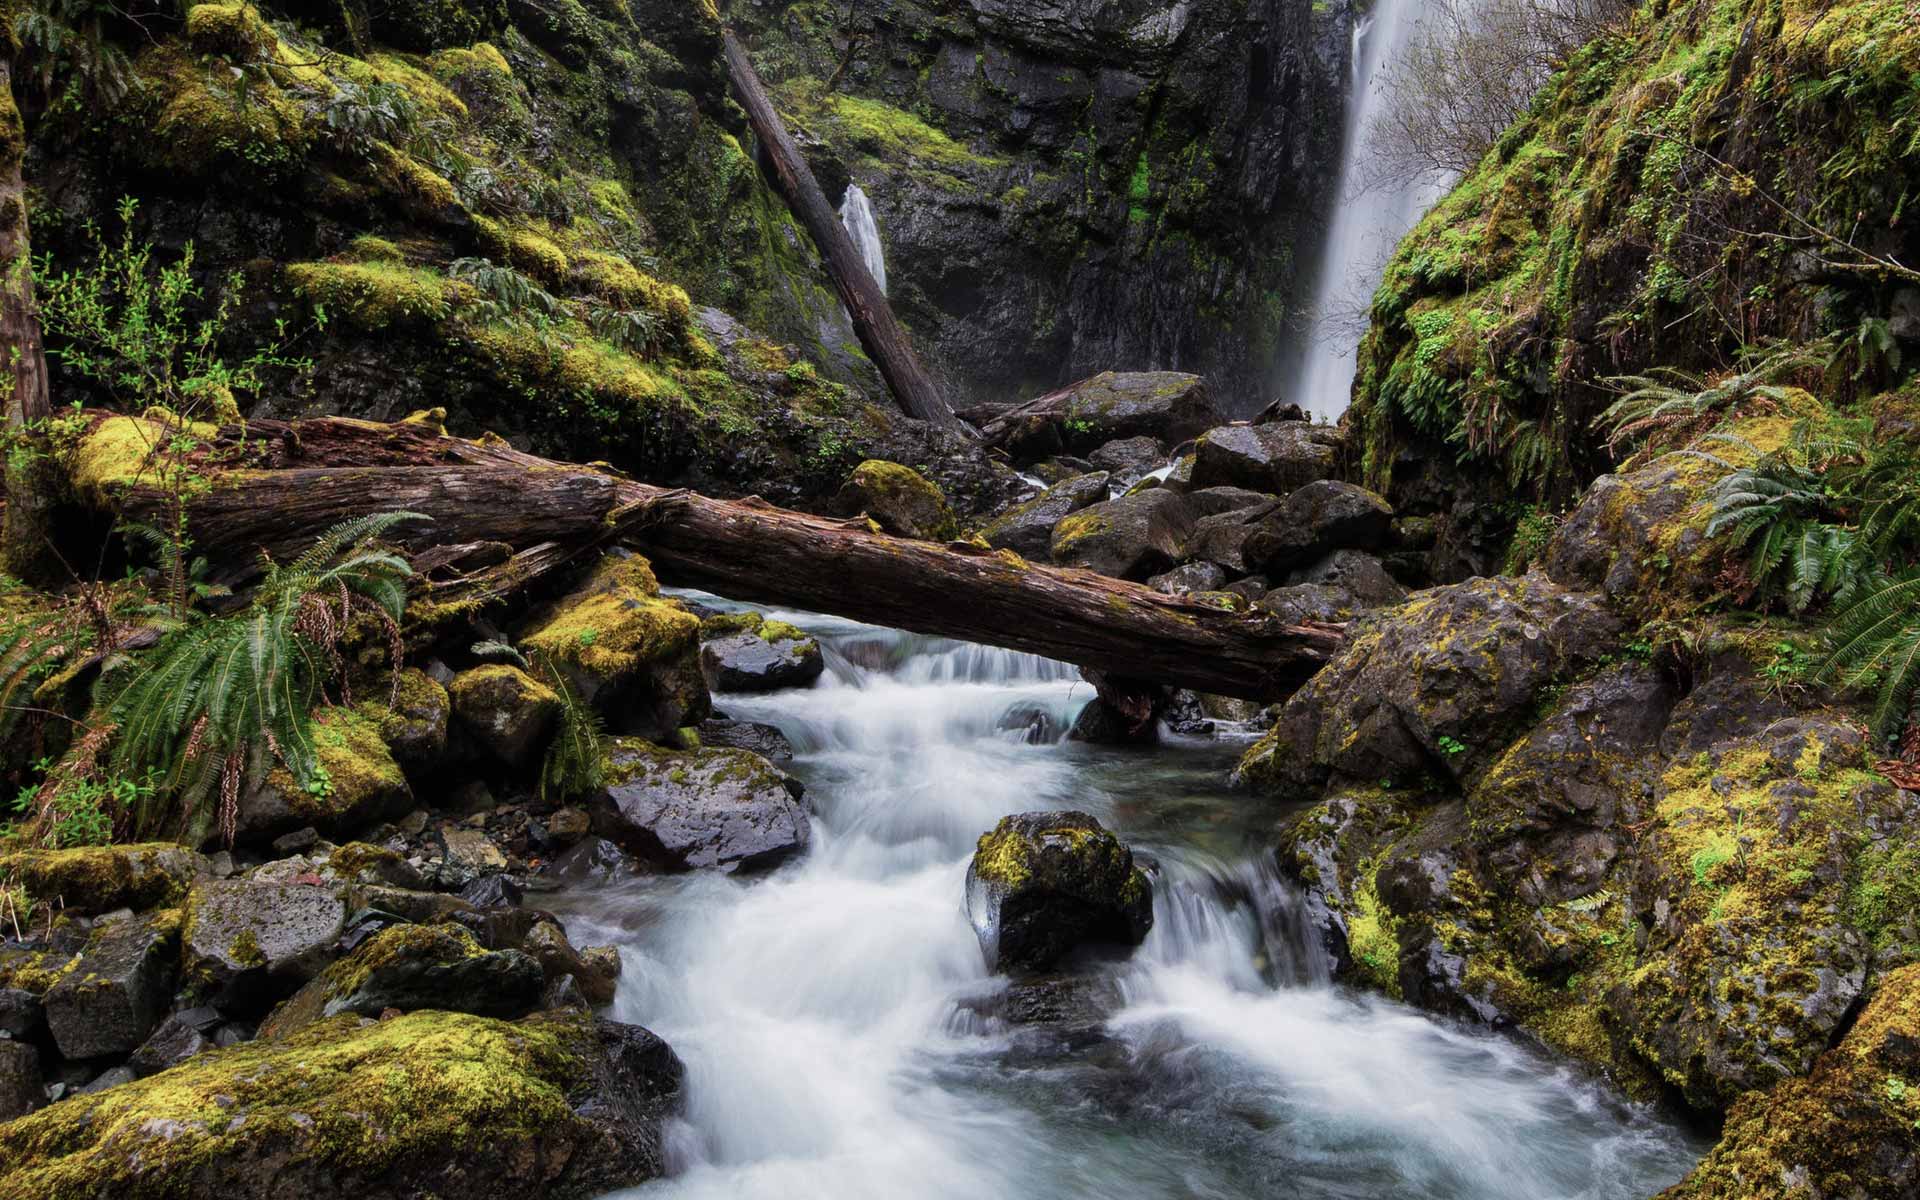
[518, 516]
[885, 342]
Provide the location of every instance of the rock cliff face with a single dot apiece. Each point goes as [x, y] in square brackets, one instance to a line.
[1068, 187]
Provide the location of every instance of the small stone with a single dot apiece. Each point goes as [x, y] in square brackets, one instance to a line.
[111, 1001]
[297, 841]
[174, 1042]
[109, 1079]
[568, 825]
[20, 1013]
[22, 1089]
[220, 864]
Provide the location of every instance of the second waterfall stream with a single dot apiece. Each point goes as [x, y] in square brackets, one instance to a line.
[842, 1034]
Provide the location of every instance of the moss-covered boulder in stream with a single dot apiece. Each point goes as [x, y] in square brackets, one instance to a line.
[505, 711]
[1044, 884]
[624, 649]
[406, 967]
[746, 652]
[428, 1104]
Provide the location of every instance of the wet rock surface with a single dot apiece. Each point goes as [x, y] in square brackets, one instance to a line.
[1042, 885]
[684, 810]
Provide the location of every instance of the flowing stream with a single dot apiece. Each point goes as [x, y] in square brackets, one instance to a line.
[1369, 218]
[843, 1038]
[856, 214]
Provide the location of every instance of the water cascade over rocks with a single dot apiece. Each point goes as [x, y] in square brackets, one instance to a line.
[1370, 216]
[856, 213]
[843, 1037]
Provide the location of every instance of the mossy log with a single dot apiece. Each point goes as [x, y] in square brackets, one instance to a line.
[536, 514]
[880, 334]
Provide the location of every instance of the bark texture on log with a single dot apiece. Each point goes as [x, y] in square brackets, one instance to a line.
[880, 334]
[24, 549]
[516, 516]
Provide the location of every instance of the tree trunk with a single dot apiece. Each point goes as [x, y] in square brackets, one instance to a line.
[885, 341]
[23, 373]
[491, 501]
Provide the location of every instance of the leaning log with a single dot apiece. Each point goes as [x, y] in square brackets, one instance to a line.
[521, 516]
[880, 334]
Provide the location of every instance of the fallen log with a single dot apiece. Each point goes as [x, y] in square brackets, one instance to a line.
[880, 334]
[486, 498]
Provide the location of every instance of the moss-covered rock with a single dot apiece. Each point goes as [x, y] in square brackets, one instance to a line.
[1044, 884]
[624, 649]
[408, 967]
[507, 711]
[1850, 1127]
[356, 783]
[412, 718]
[425, 1104]
[93, 879]
[1131, 537]
[1433, 688]
[899, 499]
[753, 654]
[246, 944]
[1027, 529]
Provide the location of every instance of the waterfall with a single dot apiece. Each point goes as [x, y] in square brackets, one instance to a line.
[857, 215]
[1368, 221]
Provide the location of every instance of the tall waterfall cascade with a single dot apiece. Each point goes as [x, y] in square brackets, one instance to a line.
[856, 213]
[1369, 217]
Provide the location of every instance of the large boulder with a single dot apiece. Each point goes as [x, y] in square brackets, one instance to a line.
[406, 967]
[1167, 406]
[553, 1107]
[1044, 884]
[1131, 537]
[505, 711]
[765, 740]
[1221, 537]
[624, 649]
[1638, 531]
[247, 943]
[1129, 460]
[1322, 516]
[95, 879]
[1355, 572]
[683, 810]
[1266, 458]
[110, 1000]
[899, 499]
[1437, 685]
[1027, 529]
[745, 652]
[358, 783]
[1848, 1128]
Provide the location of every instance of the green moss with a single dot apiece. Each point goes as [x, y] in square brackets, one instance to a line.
[886, 133]
[376, 295]
[615, 622]
[351, 1096]
[1373, 937]
[1001, 857]
[102, 878]
[1078, 527]
[353, 763]
[488, 679]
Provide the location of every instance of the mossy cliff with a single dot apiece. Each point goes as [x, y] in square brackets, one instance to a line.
[1717, 173]
[1065, 189]
[543, 218]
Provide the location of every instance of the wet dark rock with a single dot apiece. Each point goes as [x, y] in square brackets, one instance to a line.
[463, 856]
[596, 972]
[899, 499]
[298, 840]
[1129, 538]
[21, 1087]
[1279, 410]
[1129, 459]
[113, 998]
[1212, 501]
[1266, 458]
[764, 659]
[1027, 529]
[109, 1079]
[21, 1013]
[702, 808]
[414, 719]
[491, 891]
[1312, 520]
[593, 859]
[178, 1039]
[1044, 884]
[765, 740]
[1222, 537]
[1190, 577]
[1360, 575]
[247, 943]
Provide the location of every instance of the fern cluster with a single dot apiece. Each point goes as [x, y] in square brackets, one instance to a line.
[1876, 643]
[221, 701]
[1785, 510]
[1667, 408]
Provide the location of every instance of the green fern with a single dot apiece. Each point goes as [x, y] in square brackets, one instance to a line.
[575, 763]
[1668, 407]
[506, 294]
[1876, 642]
[1781, 511]
[221, 701]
